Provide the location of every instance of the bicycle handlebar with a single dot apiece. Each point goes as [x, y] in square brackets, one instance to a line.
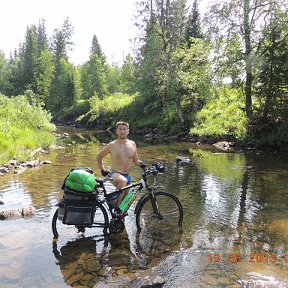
[154, 170]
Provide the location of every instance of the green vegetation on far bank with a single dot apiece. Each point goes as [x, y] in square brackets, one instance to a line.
[24, 127]
[226, 78]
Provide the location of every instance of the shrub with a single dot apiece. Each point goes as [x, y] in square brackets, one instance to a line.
[223, 115]
[23, 127]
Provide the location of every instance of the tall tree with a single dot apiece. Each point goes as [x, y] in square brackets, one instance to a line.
[247, 19]
[29, 58]
[58, 45]
[96, 48]
[93, 74]
[273, 69]
[42, 39]
[150, 62]
[191, 79]
[165, 25]
[5, 74]
[44, 77]
[113, 78]
[61, 41]
[128, 76]
[193, 29]
[63, 90]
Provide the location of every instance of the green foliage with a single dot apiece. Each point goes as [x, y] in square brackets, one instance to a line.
[222, 116]
[63, 93]
[173, 74]
[266, 132]
[113, 78]
[44, 76]
[5, 74]
[70, 114]
[170, 121]
[23, 128]
[128, 76]
[93, 77]
[109, 110]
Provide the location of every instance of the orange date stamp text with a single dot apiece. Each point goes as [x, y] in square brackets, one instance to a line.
[234, 258]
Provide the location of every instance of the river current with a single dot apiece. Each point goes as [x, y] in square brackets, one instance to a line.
[234, 234]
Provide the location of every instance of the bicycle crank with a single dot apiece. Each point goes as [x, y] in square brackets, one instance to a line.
[116, 225]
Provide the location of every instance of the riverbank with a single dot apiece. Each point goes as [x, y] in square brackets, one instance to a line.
[226, 144]
[16, 166]
[151, 136]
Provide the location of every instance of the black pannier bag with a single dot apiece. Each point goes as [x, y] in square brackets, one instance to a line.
[75, 212]
[77, 208]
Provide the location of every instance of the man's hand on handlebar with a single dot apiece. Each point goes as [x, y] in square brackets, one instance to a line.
[104, 172]
[143, 166]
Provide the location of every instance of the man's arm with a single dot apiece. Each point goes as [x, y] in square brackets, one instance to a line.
[137, 161]
[105, 151]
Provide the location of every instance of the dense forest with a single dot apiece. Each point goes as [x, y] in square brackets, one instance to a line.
[222, 73]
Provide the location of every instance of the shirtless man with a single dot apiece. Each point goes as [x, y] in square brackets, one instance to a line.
[123, 154]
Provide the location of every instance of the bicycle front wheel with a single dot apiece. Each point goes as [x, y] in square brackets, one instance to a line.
[159, 214]
[99, 227]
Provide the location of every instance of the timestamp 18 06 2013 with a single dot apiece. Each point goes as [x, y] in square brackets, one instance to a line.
[250, 258]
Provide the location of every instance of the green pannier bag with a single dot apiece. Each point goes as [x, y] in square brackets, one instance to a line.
[81, 180]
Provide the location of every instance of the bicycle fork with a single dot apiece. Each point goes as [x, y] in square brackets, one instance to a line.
[154, 204]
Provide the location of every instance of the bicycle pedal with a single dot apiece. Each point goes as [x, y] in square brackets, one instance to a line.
[119, 215]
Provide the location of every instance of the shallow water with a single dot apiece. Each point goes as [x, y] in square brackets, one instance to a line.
[235, 230]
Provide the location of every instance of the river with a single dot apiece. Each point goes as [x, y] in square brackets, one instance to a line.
[234, 234]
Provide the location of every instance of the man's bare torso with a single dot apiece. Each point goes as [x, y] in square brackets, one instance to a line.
[122, 155]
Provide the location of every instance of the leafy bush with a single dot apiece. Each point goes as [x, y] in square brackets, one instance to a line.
[109, 110]
[222, 115]
[23, 127]
[72, 113]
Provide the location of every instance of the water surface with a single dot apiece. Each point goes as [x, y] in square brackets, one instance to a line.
[235, 230]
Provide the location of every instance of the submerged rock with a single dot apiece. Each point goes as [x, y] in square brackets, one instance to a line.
[27, 211]
[184, 160]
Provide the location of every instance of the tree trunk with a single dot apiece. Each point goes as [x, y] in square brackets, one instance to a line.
[248, 60]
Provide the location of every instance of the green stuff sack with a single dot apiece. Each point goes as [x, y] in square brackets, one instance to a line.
[81, 180]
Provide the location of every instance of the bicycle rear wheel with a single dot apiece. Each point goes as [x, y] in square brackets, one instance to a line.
[99, 227]
[169, 218]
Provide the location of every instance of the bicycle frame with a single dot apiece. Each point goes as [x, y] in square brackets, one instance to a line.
[140, 185]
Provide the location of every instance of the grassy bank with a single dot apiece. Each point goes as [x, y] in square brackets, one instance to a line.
[24, 127]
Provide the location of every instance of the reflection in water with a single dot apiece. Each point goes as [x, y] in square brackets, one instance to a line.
[80, 262]
[233, 204]
[14, 195]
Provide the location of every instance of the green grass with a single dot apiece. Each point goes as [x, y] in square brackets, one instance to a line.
[23, 128]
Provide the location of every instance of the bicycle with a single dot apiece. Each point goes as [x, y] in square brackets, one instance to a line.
[156, 211]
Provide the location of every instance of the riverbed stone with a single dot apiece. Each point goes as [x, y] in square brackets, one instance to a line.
[148, 278]
[3, 170]
[67, 273]
[27, 211]
[75, 278]
[93, 265]
[32, 163]
[184, 160]
[12, 162]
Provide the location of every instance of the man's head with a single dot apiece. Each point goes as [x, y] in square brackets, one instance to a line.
[122, 123]
[122, 129]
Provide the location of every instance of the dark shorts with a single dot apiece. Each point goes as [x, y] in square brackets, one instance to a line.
[127, 176]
